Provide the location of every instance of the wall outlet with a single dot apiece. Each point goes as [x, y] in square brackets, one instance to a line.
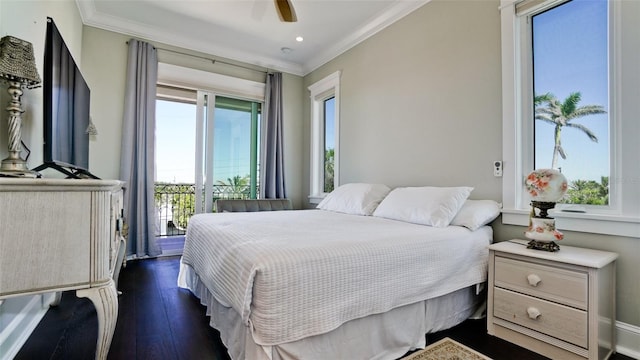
[497, 168]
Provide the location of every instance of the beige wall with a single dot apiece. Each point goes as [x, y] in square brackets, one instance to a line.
[103, 66]
[421, 105]
[420, 101]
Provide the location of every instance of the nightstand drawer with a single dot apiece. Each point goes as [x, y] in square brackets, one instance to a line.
[548, 282]
[549, 318]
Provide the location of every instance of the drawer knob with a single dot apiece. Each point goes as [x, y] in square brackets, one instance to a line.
[533, 279]
[533, 313]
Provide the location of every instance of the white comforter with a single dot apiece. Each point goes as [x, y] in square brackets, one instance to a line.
[293, 274]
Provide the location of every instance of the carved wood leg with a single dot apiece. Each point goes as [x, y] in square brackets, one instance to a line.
[105, 299]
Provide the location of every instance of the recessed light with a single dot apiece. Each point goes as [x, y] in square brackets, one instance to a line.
[286, 50]
[299, 38]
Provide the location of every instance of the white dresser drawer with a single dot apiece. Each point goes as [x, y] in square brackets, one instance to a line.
[548, 282]
[549, 318]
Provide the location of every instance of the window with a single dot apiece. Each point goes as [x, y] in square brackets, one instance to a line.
[564, 106]
[325, 154]
[175, 139]
[571, 95]
[175, 142]
[329, 143]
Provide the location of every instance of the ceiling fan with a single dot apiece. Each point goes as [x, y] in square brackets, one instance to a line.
[286, 11]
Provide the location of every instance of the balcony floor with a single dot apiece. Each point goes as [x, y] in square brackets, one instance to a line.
[171, 245]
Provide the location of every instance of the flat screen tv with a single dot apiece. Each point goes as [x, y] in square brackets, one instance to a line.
[66, 109]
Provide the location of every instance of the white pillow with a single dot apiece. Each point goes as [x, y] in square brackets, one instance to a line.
[476, 213]
[355, 198]
[429, 205]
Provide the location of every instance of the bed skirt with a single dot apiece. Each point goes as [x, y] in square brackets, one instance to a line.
[380, 336]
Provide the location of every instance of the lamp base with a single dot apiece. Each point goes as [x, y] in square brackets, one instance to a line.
[12, 167]
[544, 207]
[543, 245]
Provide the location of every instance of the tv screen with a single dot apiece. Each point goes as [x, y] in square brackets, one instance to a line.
[66, 108]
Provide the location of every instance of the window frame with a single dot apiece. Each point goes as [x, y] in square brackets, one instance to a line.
[621, 217]
[319, 92]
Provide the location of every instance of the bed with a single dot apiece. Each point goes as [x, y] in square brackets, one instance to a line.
[365, 282]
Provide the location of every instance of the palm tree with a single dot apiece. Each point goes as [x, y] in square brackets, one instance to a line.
[562, 114]
[588, 192]
[238, 185]
[329, 160]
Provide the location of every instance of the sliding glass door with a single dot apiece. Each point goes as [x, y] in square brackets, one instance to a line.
[226, 149]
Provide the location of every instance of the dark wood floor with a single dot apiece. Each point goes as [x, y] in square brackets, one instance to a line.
[158, 320]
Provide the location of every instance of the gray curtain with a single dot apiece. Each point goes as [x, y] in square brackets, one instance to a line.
[272, 185]
[138, 148]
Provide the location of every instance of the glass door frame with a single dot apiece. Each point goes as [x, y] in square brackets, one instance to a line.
[204, 151]
[204, 159]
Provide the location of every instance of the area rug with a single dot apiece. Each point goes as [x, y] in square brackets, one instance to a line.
[446, 349]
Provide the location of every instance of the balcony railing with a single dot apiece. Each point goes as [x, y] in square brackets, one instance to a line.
[175, 204]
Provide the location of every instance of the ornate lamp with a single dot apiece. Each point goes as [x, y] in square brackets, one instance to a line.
[18, 67]
[546, 187]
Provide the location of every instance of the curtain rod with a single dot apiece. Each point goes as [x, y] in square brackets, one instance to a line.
[213, 61]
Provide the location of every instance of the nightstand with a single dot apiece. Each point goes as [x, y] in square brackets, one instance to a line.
[559, 304]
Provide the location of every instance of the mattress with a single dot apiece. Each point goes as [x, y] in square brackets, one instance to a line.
[290, 275]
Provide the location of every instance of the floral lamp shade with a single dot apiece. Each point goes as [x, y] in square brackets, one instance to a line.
[546, 185]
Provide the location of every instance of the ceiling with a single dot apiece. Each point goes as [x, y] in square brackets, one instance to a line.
[250, 30]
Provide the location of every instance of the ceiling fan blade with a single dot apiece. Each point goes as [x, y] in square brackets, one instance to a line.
[286, 11]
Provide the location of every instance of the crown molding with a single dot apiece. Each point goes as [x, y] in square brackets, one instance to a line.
[91, 17]
[387, 17]
[399, 9]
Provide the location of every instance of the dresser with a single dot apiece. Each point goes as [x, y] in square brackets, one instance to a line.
[559, 304]
[63, 234]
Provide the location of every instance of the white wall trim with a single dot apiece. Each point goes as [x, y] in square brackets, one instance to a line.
[395, 12]
[318, 93]
[92, 17]
[22, 315]
[628, 340]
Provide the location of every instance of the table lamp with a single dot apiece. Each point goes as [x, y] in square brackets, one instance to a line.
[546, 187]
[18, 68]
